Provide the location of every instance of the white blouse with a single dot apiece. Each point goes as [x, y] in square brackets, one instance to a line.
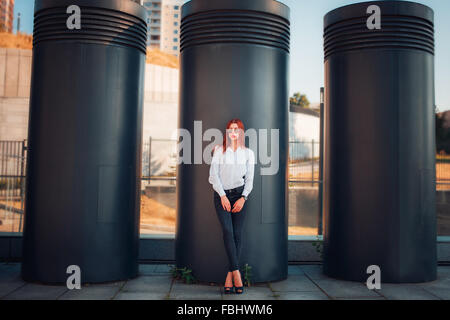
[232, 169]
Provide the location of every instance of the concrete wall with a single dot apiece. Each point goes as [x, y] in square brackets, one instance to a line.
[304, 207]
[15, 77]
[15, 73]
[304, 126]
[14, 118]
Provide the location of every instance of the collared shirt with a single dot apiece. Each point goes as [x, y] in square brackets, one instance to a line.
[232, 169]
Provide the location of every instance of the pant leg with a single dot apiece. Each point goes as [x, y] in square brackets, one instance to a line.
[238, 219]
[238, 227]
[225, 220]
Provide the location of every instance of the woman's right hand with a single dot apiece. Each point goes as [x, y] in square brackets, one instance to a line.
[225, 203]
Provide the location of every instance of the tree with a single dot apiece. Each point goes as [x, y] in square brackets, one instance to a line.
[442, 134]
[299, 100]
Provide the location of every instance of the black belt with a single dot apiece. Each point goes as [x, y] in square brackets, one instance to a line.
[235, 190]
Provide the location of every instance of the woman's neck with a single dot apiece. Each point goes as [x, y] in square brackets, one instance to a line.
[234, 145]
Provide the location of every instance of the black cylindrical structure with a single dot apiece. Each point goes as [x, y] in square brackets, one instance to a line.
[379, 170]
[84, 141]
[234, 64]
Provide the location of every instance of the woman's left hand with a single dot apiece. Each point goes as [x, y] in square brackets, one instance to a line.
[238, 205]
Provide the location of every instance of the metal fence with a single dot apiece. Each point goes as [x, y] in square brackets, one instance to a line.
[304, 161]
[12, 185]
[159, 163]
[12, 168]
[159, 160]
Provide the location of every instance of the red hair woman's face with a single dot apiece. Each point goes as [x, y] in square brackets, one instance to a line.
[234, 131]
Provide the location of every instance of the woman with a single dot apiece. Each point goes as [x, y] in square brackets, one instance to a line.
[231, 175]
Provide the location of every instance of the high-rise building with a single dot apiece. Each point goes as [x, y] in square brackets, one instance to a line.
[170, 30]
[6, 15]
[153, 8]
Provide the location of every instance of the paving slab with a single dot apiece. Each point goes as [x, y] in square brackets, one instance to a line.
[294, 283]
[313, 272]
[181, 290]
[443, 294]
[7, 287]
[140, 296]
[260, 284]
[302, 295]
[440, 288]
[345, 289]
[149, 284]
[363, 298]
[304, 282]
[94, 292]
[404, 292]
[32, 291]
[252, 293]
[105, 284]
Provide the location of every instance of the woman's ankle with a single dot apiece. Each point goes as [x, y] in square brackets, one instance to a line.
[237, 277]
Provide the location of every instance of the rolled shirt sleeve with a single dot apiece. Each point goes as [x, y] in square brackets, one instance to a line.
[214, 173]
[250, 173]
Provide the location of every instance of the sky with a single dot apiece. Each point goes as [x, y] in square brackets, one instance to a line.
[306, 59]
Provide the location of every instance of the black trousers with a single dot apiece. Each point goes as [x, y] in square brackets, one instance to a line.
[232, 226]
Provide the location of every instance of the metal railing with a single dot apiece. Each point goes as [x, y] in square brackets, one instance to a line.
[12, 185]
[159, 165]
[159, 162]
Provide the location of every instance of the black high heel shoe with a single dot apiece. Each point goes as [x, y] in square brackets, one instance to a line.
[228, 290]
[239, 290]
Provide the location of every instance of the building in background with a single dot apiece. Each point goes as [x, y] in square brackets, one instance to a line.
[6, 15]
[164, 19]
[153, 8]
[304, 132]
[170, 30]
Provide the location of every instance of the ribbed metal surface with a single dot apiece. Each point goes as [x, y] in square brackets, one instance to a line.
[402, 31]
[232, 51]
[84, 142]
[235, 26]
[98, 25]
[379, 144]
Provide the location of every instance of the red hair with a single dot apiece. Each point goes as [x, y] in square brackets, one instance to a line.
[226, 139]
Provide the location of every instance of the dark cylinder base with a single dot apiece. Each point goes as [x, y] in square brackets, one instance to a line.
[379, 170]
[234, 63]
[83, 185]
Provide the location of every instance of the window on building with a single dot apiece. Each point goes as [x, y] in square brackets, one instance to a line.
[175, 31]
[176, 15]
[175, 23]
[175, 47]
[176, 7]
[175, 39]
